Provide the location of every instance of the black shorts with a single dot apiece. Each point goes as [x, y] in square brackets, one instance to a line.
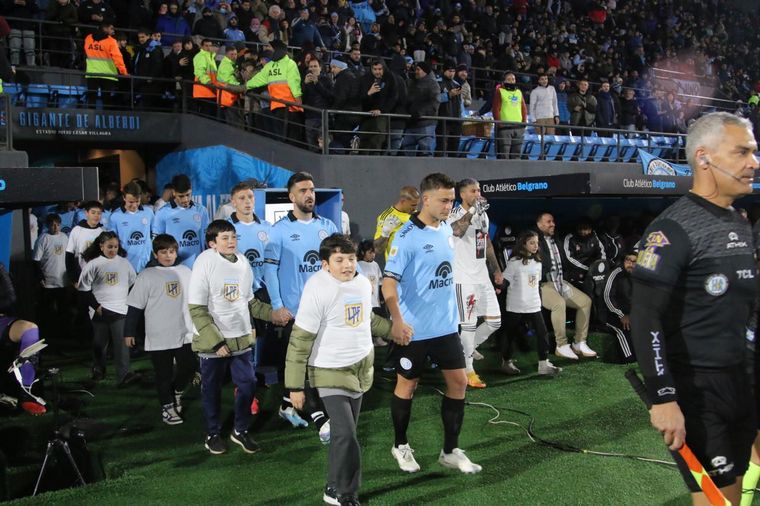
[719, 409]
[446, 351]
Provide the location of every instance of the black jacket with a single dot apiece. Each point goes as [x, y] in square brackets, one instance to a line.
[618, 290]
[346, 98]
[580, 252]
[422, 100]
[318, 95]
[148, 61]
[384, 100]
[87, 9]
[27, 11]
[452, 108]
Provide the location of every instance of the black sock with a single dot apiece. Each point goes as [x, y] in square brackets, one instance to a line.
[452, 414]
[286, 400]
[401, 412]
[319, 418]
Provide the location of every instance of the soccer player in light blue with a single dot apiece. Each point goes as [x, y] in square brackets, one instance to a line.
[132, 223]
[419, 291]
[183, 219]
[252, 232]
[291, 257]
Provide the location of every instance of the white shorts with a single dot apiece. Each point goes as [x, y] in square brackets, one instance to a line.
[476, 300]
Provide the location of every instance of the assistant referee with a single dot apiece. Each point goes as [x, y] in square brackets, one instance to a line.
[693, 290]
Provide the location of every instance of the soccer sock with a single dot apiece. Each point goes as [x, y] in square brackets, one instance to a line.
[485, 330]
[401, 412]
[452, 414]
[468, 344]
[28, 338]
[286, 400]
[749, 483]
[319, 418]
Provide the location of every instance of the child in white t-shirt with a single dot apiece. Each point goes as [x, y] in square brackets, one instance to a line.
[523, 275]
[50, 262]
[105, 282]
[221, 306]
[160, 295]
[366, 255]
[332, 340]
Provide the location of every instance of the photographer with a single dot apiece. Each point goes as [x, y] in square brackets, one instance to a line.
[379, 96]
[317, 92]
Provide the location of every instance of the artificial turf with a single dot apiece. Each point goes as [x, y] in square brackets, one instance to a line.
[142, 461]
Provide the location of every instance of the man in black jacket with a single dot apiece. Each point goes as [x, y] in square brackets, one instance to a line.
[398, 124]
[449, 131]
[557, 293]
[345, 98]
[317, 92]
[582, 248]
[148, 62]
[422, 100]
[617, 297]
[377, 90]
[95, 12]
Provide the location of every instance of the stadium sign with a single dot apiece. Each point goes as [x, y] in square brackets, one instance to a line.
[545, 186]
[84, 125]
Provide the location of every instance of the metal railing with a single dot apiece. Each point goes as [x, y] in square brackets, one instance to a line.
[330, 131]
[483, 80]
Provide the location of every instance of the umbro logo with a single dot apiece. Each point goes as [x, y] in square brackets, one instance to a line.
[175, 220]
[295, 237]
[428, 248]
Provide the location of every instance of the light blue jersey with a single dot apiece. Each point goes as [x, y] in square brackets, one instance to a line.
[187, 225]
[292, 256]
[252, 239]
[421, 259]
[134, 230]
[67, 220]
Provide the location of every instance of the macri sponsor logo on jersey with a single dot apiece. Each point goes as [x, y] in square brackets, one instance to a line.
[311, 262]
[136, 238]
[254, 257]
[443, 277]
[189, 239]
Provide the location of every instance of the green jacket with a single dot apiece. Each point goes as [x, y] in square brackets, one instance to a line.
[355, 378]
[226, 73]
[209, 339]
[204, 64]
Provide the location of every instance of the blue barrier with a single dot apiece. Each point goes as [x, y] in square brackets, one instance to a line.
[37, 95]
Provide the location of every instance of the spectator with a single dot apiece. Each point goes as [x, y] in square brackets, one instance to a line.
[564, 112]
[582, 248]
[352, 34]
[103, 63]
[245, 14]
[283, 82]
[345, 98]
[582, 106]
[558, 293]
[377, 90]
[139, 12]
[449, 131]
[317, 92]
[630, 112]
[208, 26]
[509, 107]
[304, 31]
[95, 12]
[178, 65]
[544, 107]
[371, 43]
[22, 32]
[355, 64]
[461, 78]
[232, 33]
[204, 71]
[607, 109]
[422, 100]
[63, 13]
[172, 25]
[149, 63]
[398, 124]
[331, 32]
[258, 8]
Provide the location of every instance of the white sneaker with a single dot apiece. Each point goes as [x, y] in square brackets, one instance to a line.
[565, 351]
[583, 349]
[546, 368]
[458, 460]
[170, 416]
[404, 455]
[476, 355]
[324, 433]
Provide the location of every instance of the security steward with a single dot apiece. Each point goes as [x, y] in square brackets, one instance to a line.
[230, 87]
[103, 63]
[694, 285]
[204, 84]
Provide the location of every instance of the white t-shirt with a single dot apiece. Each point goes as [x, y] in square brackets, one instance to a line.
[109, 279]
[345, 223]
[163, 293]
[339, 313]
[523, 294]
[50, 252]
[372, 271]
[470, 249]
[80, 239]
[226, 288]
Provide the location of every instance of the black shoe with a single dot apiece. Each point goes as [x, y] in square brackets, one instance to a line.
[215, 444]
[349, 500]
[247, 444]
[98, 374]
[128, 379]
[330, 496]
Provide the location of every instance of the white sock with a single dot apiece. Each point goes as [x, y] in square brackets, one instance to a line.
[485, 330]
[468, 344]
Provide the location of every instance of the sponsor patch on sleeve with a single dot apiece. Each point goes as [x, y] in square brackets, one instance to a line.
[656, 239]
[648, 259]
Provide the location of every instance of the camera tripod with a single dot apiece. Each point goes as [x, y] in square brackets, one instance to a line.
[57, 441]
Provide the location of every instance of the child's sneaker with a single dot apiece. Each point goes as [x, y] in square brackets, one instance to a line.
[170, 415]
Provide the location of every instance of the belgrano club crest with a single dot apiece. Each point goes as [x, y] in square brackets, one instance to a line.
[231, 291]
